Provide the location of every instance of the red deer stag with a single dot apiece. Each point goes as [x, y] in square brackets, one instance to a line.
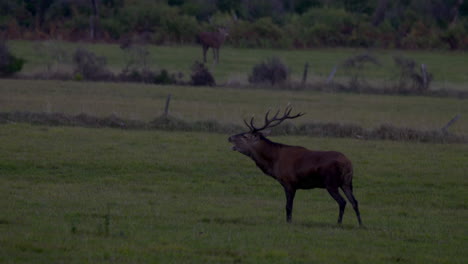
[297, 167]
[212, 40]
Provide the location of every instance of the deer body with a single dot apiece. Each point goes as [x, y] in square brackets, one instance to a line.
[213, 40]
[296, 167]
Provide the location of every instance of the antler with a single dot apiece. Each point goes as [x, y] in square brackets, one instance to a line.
[269, 123]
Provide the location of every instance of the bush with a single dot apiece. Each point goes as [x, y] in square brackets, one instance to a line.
[163, 77]
[148, 76]
[54, 53]
[261, 33]
[355, 65]
[455, 36]
[419, 37]
[201, 75]
[411, 80]
[326, 26]
[9, 64]
[180, 29]
[90, 66]
[272, 70]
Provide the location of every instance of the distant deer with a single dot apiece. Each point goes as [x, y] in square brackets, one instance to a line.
[297, 167]
[212, 40]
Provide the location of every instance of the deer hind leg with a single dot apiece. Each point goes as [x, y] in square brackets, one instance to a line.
[348, 190]
[333, 191]
[215, 56]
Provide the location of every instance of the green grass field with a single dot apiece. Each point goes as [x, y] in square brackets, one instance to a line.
[449, 68]
[78, 195]
[81, 195]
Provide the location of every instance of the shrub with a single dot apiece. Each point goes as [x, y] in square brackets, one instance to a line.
[261, 33]
[180, 29]
[90, 66]
[355, 65]
[272, 70]
[164, 77]
[114, 27]
[327, 26]
[148, 76]
[419, 37]
[9, 64]
[136, 55]
[201, 75]
[455, 36]
[54, 53]
[411, 80]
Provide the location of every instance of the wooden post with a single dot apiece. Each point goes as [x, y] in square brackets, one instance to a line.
[304, 76]
[424, 75]
[444, 129]
[332, 74]
[166, 108]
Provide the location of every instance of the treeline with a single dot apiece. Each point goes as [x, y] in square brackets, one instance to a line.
[408, 24]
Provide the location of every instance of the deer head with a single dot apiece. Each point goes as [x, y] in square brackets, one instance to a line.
[247, 142]
[224, 32]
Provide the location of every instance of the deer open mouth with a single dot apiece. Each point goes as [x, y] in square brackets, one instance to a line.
[230, 141]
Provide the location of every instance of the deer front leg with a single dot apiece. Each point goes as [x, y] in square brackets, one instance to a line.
[290, 193]
[205, 49]
[215, 60]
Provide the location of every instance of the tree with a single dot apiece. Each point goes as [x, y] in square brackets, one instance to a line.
[94, 20]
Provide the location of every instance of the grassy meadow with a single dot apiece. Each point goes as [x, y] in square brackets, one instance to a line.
[86, 195]
[449, 68]
[80, 195]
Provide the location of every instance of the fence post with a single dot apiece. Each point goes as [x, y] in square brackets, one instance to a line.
[444, 129]
[424, 75]
[332, 74]
[304, 76]
[166, 108]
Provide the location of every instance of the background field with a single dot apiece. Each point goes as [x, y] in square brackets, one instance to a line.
[146, 102]
[449, 68]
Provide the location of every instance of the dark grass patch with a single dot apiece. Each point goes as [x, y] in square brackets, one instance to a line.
[4, 222]
[29, 247]
[224, 221]
[317, 129]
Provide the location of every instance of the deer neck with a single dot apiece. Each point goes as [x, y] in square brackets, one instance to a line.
[220, 37]
[266, 155]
